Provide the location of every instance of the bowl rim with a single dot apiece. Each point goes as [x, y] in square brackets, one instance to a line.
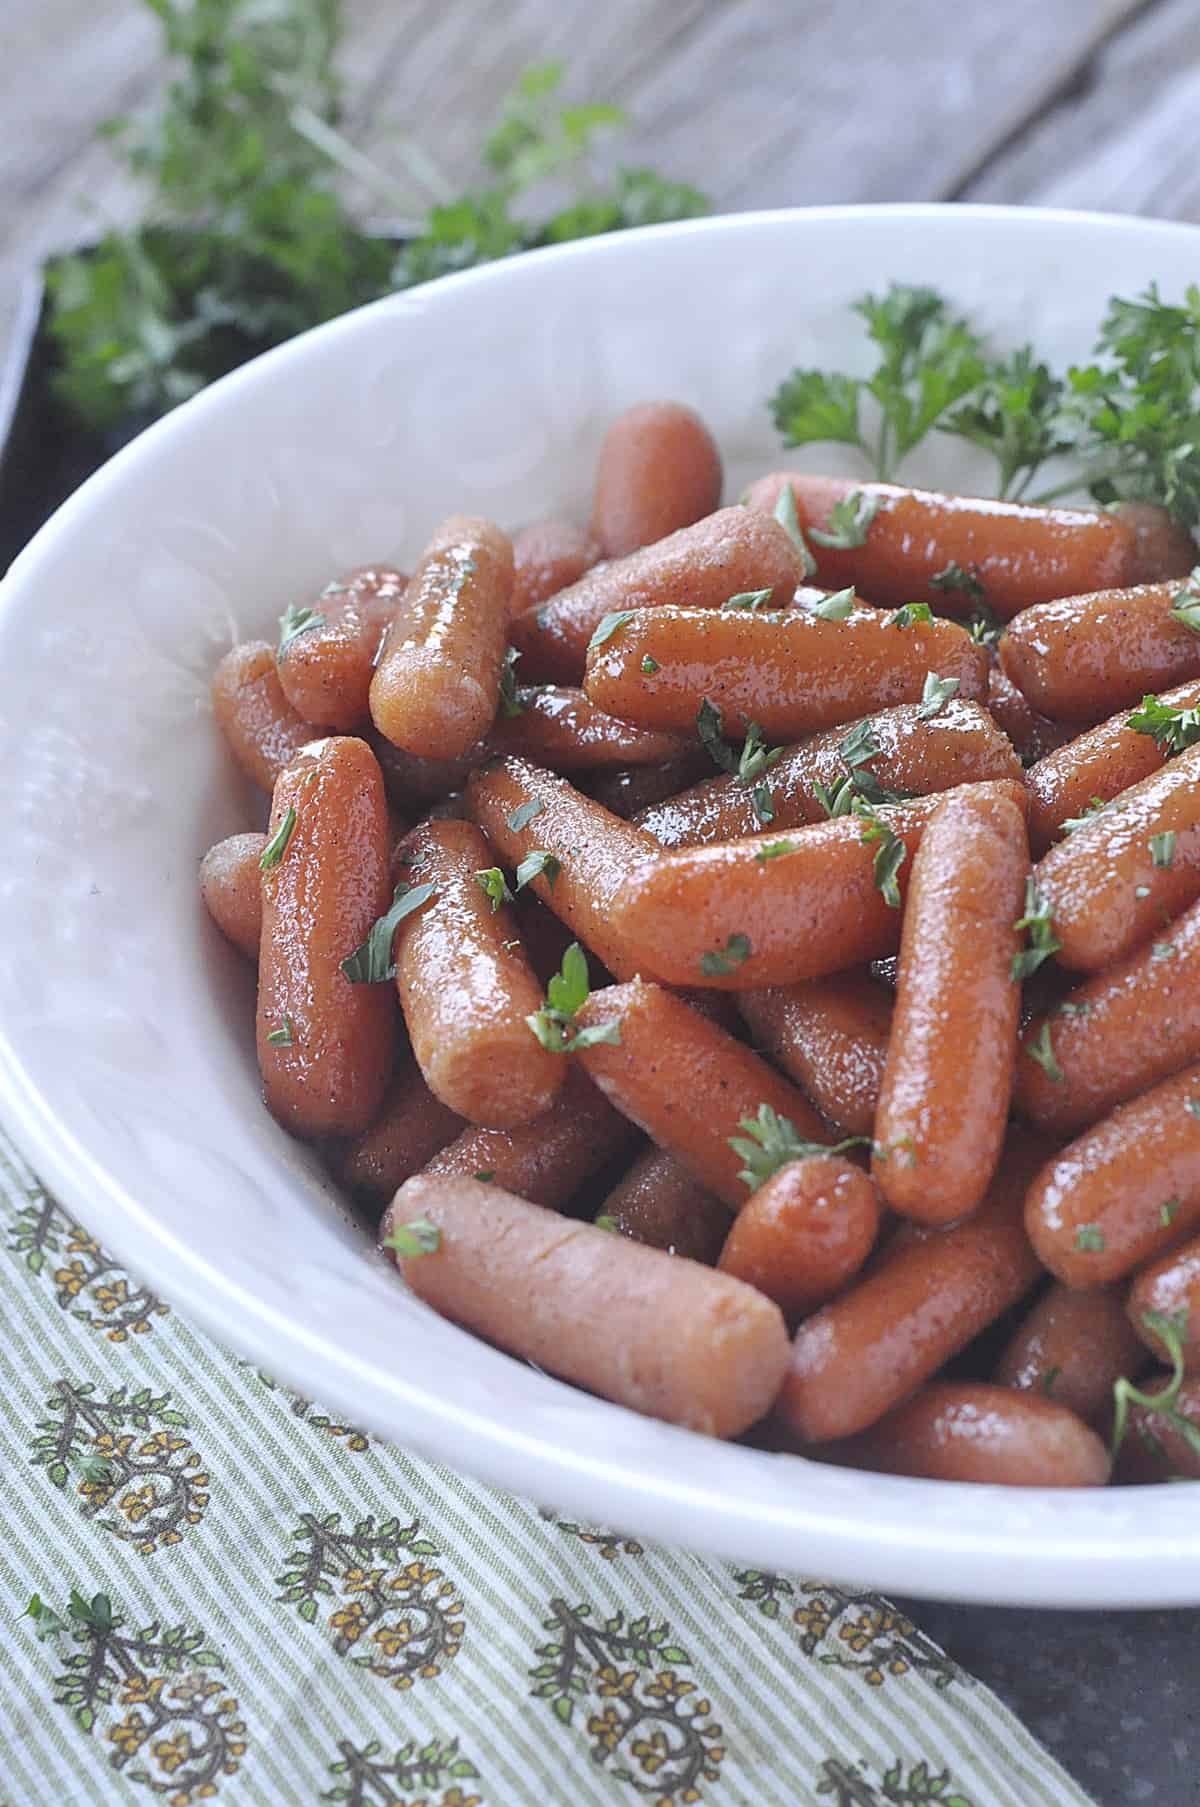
[941, 1559]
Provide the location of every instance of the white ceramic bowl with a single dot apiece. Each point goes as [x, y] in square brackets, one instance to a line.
[126, 1056]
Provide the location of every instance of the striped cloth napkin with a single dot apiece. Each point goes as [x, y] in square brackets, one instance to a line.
[214, 1591]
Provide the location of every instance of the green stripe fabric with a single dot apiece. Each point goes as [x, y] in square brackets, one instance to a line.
[240, 1599]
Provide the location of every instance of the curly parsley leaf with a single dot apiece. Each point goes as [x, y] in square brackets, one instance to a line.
[836, 606]
[419, 1237]
[1185, 604]
[725, 960]
[1173, 730]
[610, 625]
[935, 695]
[525, 813]
[1170, 1330]
[538, 864]
[771, 1142]
[1016, 414]
[911, 614]
[789, 520]
[748, 600]
[952, 580]
[1038, 923]
[849, 522]
[494, 885]
[292, 623]
[1039, 1047]
[890, 852]
[371, 962]
[566, 994]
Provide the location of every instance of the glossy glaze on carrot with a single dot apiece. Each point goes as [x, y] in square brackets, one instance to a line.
[1083, 657]
[969, 1431]
[262, 730]
[1019, 553]
[325, 668]
[658, 1201]
[231, 886]
[561, 727]
[829, 1035]
[1071, 1348]
[659, 470]
[804, 1234]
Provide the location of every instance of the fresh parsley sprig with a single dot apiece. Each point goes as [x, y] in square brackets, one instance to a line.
[1037, 923]
[419, 1237]
[1170, 1331]
[890, 852]
[748, 767]
[566, 994]
[1173, 730]
[371, 962]
[772, 1141]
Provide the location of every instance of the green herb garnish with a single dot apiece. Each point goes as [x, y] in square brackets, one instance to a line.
[1038, 923]
[890, 854]
[789, 520]
[849, 521]
[952, 580]
[510, 697]
[606, 1221]
[1170, 1330]
[276, 847]
[650, 666]
[836, 606]
[566, 994]
[284, 1036]
[494, 885]
[727, 959]
[910, 615]
[1162, 848]
[1040, 1048]
[538, 864]
[936, 694]
[1167, 1211]
[1172, 730]
[419, 1237]
[774, 850]
[371, 962]
[294, 622]
[524, 814]
[611, 624]
[486, 1177]
[771, 1142]
[1089, 1239]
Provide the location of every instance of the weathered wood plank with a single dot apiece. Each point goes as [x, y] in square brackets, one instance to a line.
[1126, 138]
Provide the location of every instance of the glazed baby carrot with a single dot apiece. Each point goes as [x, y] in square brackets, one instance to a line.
[1169, 1288]
[911, 540]
[858, 1356]
[1071, 1348]
[967, 1431]
[1103, 761]
[437, 683]
[324, 1042]
[524, 809]
[1125, 1191]
[412, 1126]
[626, 793]
[261, 728]
[327, 652]
[547, 1160]
[231, 886]
[731, 552]
[686, 1082]
[549, 556]
[659, 470]
[1082, 658]
[659, 1202]
[943, 1100]
[465, 985]
[1131, 1025]
[791, 672]
[1122, 876]
[772, 909]
[1163, 546]
[648, 1330]
[1032, 735]
[804, 1233]
[560, 727]
[831, 1036]
[910, 750]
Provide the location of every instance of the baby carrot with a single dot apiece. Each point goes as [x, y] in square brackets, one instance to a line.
[561, 727]
[437, 683]
[659, 1202]
[1169, 1288]
[659, 470]
[830, 1036]
[1103, 761]
[1071, 1348]
[772, 909]
[231, 886]
[1121, 1031]
[730, 552]
[943, 1101]
[804, 1233]
[1123, 1192]
[263, 731]
[905, 750]
[791, 672]
[327, 652]
[324, 1042]
[549, 556]
[913, 539]
[1083, 657]
[524, 809]
[412, 1126]
[465, 985]
[1032, 735]
[696, 1348]
[1122, 876]
[686, 1082]
[931, 1294]
[968, 1431]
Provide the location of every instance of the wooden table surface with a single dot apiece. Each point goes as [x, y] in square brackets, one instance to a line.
[1080, 103]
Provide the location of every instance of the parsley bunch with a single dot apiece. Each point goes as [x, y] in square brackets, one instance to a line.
[245, 238]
